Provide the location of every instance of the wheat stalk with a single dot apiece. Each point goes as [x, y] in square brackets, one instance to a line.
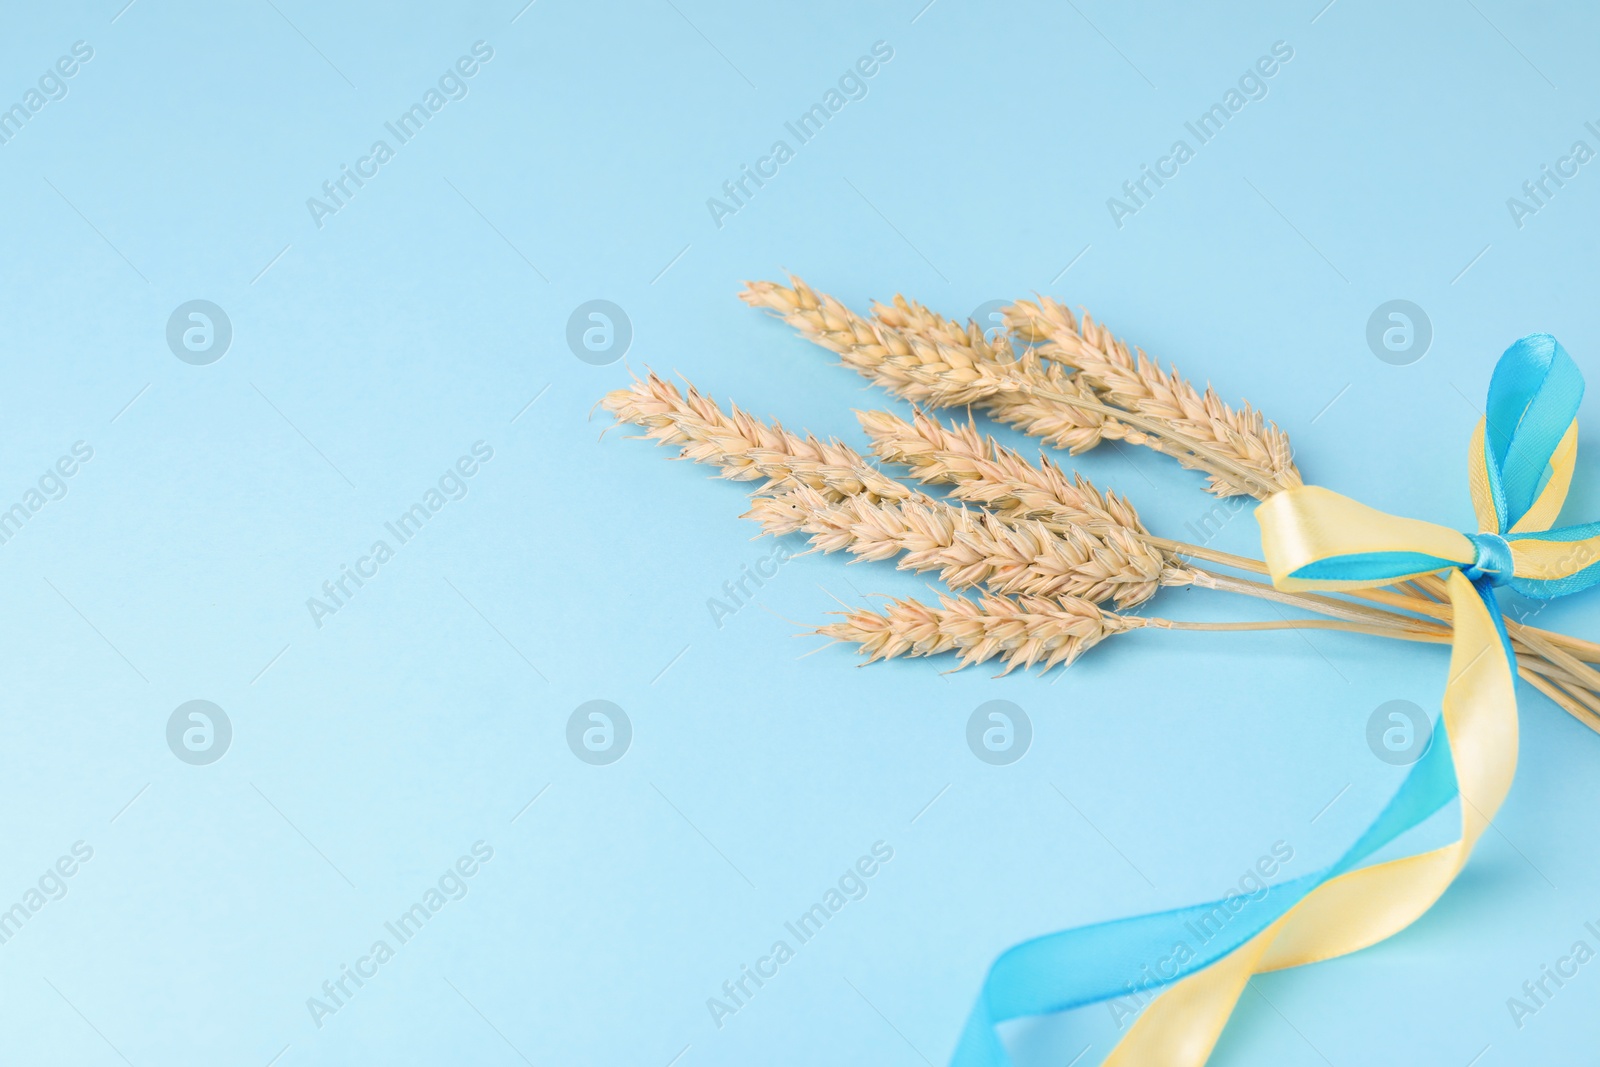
[1028, 630]
[1101, 554]
[981, 471]
[973, 547]
[1133, 381]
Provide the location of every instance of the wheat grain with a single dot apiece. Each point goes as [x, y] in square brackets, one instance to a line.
[1133, 381]
[1022, 631]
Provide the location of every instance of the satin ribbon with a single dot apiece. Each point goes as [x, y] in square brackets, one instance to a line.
[1520, 466]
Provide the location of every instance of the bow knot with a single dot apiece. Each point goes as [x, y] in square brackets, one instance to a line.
[1520, 465]
[1493, 562]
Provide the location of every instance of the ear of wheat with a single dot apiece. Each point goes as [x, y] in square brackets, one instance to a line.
[980, 471]
[1133, 381]
[1022, 631]
[973, 547]
[745, 448]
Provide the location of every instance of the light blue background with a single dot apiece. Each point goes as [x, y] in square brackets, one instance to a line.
[426, 315]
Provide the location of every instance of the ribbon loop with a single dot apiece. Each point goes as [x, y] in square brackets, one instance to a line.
[1314, 538]
[1522, 457]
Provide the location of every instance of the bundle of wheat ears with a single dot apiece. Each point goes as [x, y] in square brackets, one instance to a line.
[1041, 552]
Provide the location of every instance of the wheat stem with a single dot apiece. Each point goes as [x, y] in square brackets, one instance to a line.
[1562, 698]
[1586, 675]
[1210, 555]
[1297, 624]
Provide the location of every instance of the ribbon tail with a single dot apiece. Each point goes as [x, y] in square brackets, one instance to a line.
[1356, 908]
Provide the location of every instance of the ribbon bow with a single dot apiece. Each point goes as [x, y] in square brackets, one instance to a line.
[1520, 466]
